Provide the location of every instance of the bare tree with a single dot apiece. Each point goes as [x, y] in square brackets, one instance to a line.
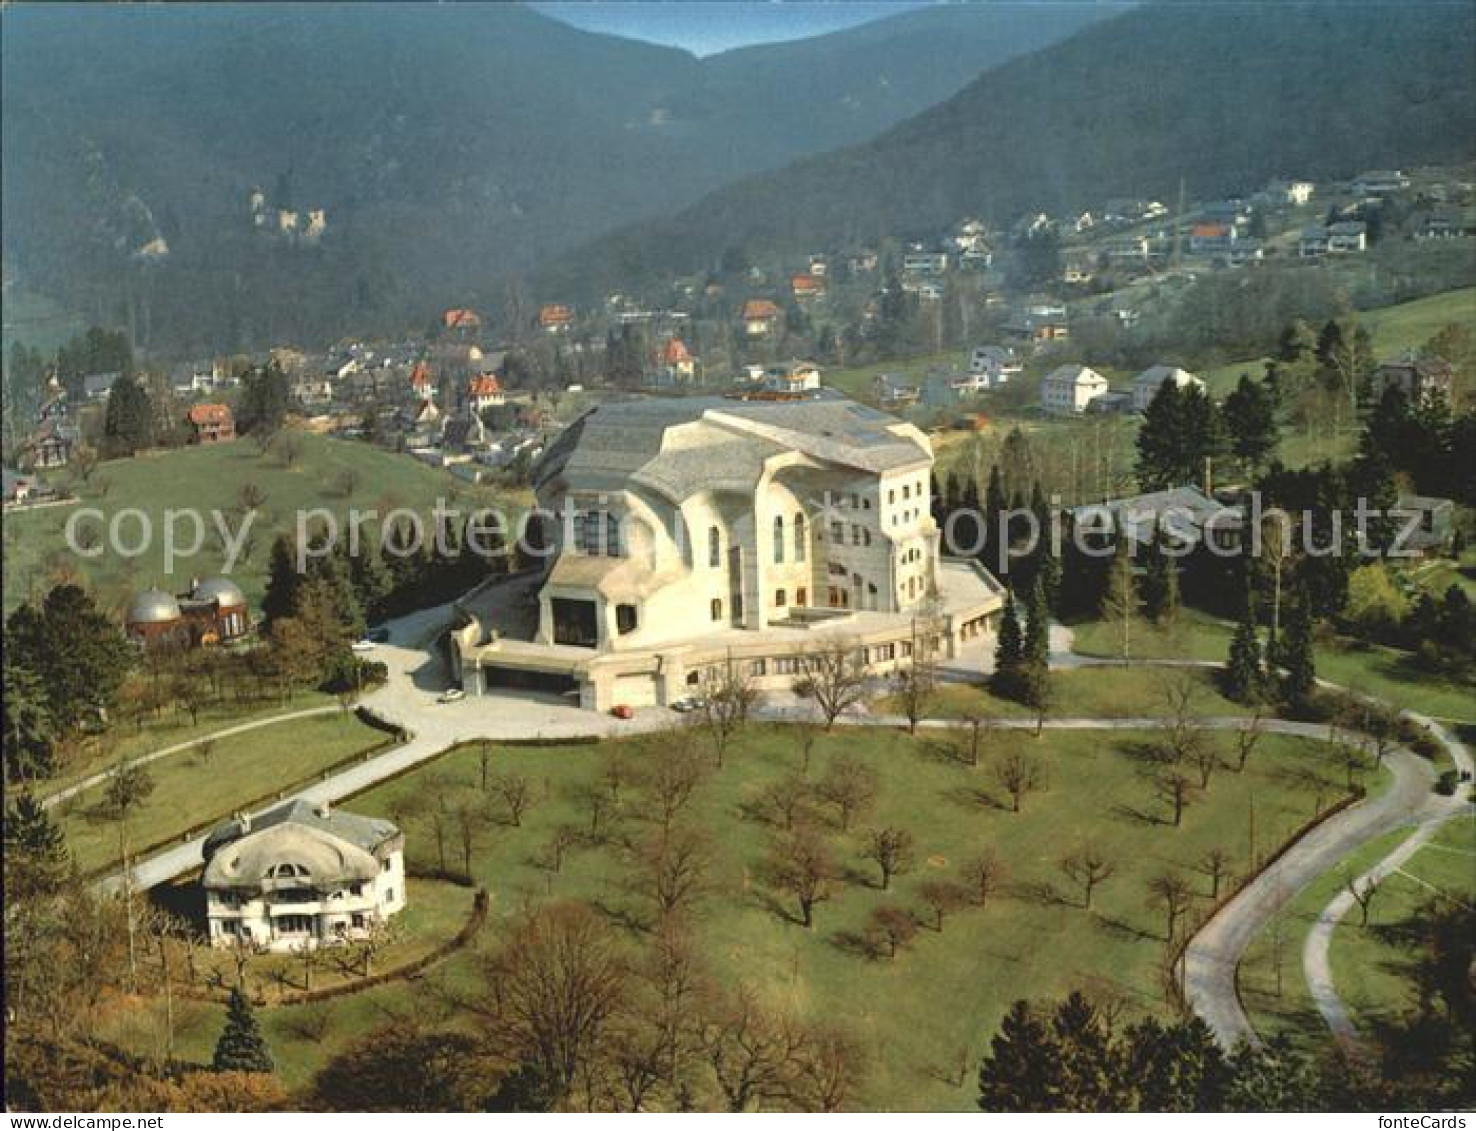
[802, 865]
[942, 898]
[515, 794]
[980, 734]
[830, 1068]
[1363, 895]
[835, 679]
[1205, 756]
[752, 1051]
[1247, 736]
[1172, 892]
[850, 785]
[984, 875]
[672, 775]
[1088, 866]
[916, 685]
[1177, 789]
[471, 822]
[674, 866]
[726, 707]
[786, 800]
[552, 991]
[1018, 774]
[890, 928]
[484, 764]
[807, 734]
[1216, 865]
[890, 849]
[557, 847]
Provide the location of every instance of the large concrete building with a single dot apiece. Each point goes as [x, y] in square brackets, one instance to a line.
[301, 876]
[692, 532]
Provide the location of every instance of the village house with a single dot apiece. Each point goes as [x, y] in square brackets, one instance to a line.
[300, 876]
[1147, 383]
[1415, 376]
[1433, 516]
[1312, 243]
[1070, 388]
[792, 377]
[462, 321]
[1379, 182]
[1185, 515]
[1346, 236]
[894, 392]
[422, 384]
[995, 364]
[18, 489]
[675, 365]
[214, 611]
[484, 391]
[760, 318]
[921, 261]
[696, 533]
[1292, 193]
[555, 318]
[49, 446]
[807, 286]
[211, 423]
[1211, 238]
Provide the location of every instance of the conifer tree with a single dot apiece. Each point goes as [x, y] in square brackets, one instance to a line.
[36, 858]
[1159, 587]
[283, 581]
[1299, 677]
[1022, 1071]
[1120, 599]
[241, 1047]
[1244, 676]
[1009, 652]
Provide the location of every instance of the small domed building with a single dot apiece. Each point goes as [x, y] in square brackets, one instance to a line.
[301, 875]
[214, 611]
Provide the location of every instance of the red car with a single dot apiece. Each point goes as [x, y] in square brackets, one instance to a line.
[622, 712]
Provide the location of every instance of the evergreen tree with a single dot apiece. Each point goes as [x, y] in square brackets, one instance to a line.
[1271, 1077]
[371, 582]
[1091, 1067]
[266, 396]
[1022, 1071]
[128, 419]
[1250, 420]
[1009, 652]
[29, 730]
[1120, 597]
[995, 501]
[78, 654]
[1161, 441]
[1244, 675]
[241, 1047]
[1176, 1067]
[283, 581]
[1035, 669]
[1159, 585]
[1049, 575]
[37, 862]
[1299, 673]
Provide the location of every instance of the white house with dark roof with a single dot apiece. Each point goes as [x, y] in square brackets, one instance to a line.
[301, 875]
[695, 532]
[1070, 388]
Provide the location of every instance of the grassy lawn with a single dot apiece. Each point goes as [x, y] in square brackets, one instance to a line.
[212, 478]
[1371, 965]
[932, 1008]
[1100, 692]
[1194, 636]
[127, 742]
[1371, 669]
[189, 790]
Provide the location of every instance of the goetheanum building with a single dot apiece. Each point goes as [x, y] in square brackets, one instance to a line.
[301, 875]
[688, 533]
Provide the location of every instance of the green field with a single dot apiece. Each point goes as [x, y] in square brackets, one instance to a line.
[1371, 964]
[212, 478]
[931, 1009]
[190, 788]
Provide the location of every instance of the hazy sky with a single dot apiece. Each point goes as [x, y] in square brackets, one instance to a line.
[708, 26]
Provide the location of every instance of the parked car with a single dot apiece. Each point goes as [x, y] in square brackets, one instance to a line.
[687, 704]
[451, 695]
[623, 712]
[379, 635]
[364, 645]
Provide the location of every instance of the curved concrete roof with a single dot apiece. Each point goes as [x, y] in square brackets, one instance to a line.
[153, 606]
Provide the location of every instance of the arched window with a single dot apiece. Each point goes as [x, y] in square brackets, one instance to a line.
[714, 547]
[778, 539]
[800, 541]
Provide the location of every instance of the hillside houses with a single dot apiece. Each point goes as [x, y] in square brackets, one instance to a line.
[211, 423]
[995, 365]
[1147, 383]
[484, 391]
[1069, 389]
[1414, 376]
[760, 318]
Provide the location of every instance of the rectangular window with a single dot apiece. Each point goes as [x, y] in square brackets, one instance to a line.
[757, 667]
[855, 535]
[780, 599]
[838, 532]
[801, 596]
[625, 619]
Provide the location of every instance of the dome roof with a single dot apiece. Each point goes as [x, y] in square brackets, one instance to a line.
[222, 590]
[153, 606]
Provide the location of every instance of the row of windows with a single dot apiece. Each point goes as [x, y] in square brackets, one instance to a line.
[860, 535]
[597, 533]
[908, 490]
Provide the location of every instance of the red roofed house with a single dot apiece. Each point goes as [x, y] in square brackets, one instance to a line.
[675, 364]
[484, 392]
[807, 286]
[461, 319]
[422, 384]
[1210, 238]
[760, 317]
[555, 318]
[213, 423]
